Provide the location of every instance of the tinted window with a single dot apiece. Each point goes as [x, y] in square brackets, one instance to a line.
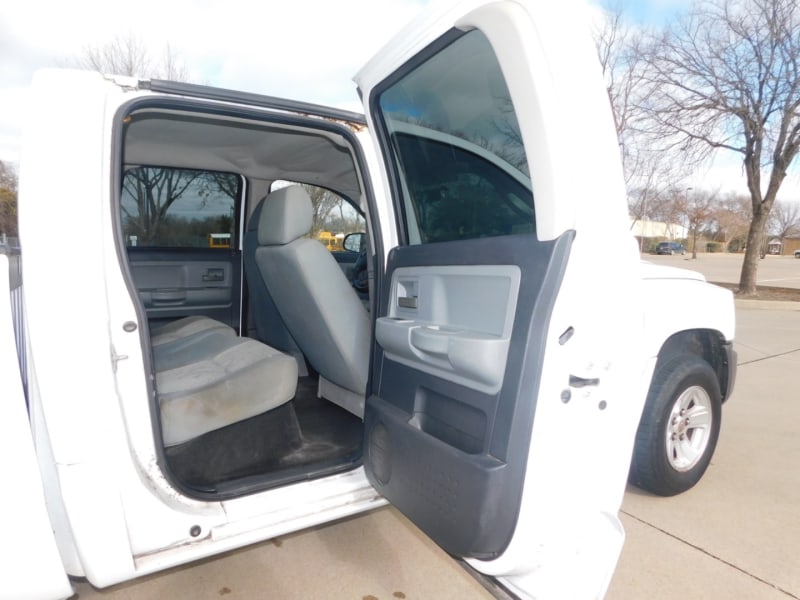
[457, 147]
[184, 208]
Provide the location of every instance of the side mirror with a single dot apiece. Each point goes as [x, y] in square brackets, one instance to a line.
[355, 242]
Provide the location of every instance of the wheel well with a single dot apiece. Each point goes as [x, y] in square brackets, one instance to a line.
[703, 343]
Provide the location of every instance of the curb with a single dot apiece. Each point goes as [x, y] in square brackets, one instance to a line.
[750, 304]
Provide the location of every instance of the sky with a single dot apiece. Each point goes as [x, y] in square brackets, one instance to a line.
[650, 11]
[299, 49]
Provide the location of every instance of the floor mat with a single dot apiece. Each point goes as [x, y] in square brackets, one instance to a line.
[306, 436]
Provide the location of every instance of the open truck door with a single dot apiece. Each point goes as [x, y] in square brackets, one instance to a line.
[501, 412]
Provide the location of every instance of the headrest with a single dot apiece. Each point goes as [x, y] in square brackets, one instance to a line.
[285, 216]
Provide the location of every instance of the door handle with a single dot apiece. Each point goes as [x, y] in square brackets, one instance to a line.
[214, 275]
[431, 340]
[579, 382]
[167, 297]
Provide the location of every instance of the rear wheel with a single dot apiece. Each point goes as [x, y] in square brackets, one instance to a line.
[679, 427]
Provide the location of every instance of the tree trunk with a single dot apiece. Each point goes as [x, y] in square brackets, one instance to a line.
[752, 254]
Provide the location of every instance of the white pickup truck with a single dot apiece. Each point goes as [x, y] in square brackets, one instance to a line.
[186, 370]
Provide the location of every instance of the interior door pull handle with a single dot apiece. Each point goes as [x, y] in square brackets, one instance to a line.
[579, 382]
[214, 275]
[167, 297]
[407, 301]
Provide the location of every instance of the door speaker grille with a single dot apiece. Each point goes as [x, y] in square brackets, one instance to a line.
[379, 453]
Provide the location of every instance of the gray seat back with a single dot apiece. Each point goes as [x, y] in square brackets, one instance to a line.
[318, 305]
[266, 319]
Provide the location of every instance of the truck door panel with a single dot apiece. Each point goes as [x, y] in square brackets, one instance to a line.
[174, 283]
[459, 349]
[180, 230]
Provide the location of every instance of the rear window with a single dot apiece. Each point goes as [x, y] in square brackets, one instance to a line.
[179, 208]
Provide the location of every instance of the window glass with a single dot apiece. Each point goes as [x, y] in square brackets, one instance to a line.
[457, 147]
[183, 208]
[333, 216]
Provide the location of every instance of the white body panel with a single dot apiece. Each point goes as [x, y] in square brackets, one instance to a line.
[32, 567]
[676, 300]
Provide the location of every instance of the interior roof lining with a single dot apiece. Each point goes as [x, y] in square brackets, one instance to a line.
[255, 148]
[250, 122]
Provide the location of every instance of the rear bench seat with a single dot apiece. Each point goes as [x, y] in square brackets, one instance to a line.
[185, 328]
[207, 377]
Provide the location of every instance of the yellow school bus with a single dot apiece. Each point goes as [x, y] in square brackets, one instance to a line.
[219, 240]
[332, 241]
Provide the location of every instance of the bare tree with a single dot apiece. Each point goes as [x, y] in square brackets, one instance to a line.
[666, 205]
[648, 173]
[8, 200]
[785, 219]
[149, 192]
[323, 203]
[731, 221]
[619, 52]
[172, 66]
[128, 55]
[642, 203]
[697, 210]
[727, 77]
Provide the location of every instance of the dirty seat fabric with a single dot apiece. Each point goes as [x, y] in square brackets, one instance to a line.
[211, 378]
[185, 328]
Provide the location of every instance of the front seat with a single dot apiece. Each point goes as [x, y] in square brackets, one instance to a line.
[263, 314]
[318, 305]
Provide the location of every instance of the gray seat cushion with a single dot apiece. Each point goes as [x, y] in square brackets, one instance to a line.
[187, 327]
[208, 378]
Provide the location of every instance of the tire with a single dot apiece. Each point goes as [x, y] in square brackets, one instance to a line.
[679, 427]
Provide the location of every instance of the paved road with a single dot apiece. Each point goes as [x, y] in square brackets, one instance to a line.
[735, 536]
[778, 271]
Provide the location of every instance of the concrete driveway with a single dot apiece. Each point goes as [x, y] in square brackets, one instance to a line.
[735, 535]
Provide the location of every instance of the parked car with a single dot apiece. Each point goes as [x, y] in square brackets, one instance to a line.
[797, 253]
[670, 248]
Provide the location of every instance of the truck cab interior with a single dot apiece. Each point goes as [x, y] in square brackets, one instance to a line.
[258, 350]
